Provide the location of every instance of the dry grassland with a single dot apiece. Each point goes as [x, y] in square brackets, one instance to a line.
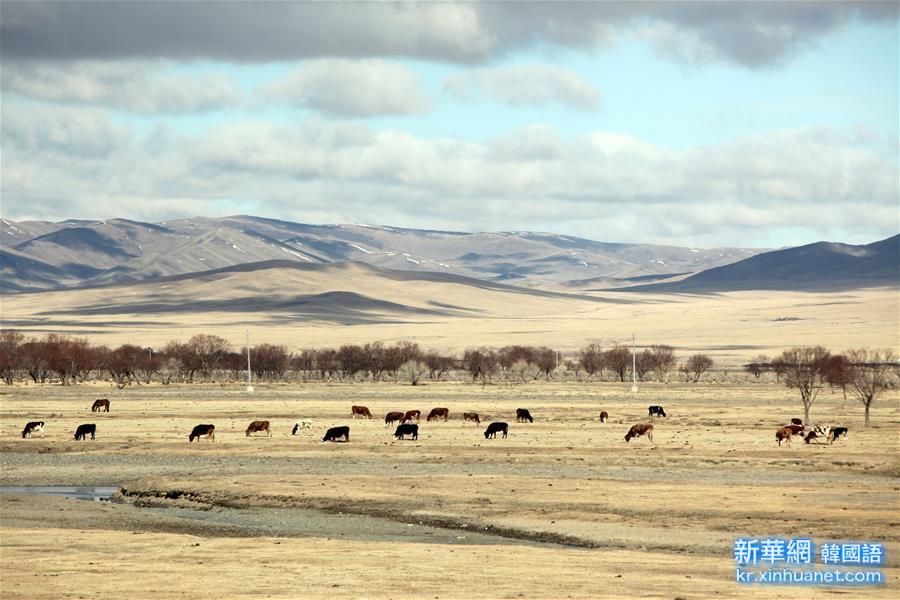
[562, 508]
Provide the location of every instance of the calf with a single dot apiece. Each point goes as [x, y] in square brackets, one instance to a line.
[100, 404]
[82, 431]
[837, 432]
[639, 430]
[470, 416]
[302, 424]
[410, 415]
[656, 411]
[360, 411]
[494, 428]
[819, 431]
[436, 413]
[334, 433]
[33, 427]
[784, 435]
[392, 417]
[208, 430]
[258, 426]
[604, 416]
[523, 415]
[410, 429]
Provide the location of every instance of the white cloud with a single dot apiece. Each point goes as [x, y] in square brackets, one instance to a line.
[525, 85]
[363, 88]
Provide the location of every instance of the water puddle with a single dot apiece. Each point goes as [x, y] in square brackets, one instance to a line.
[78, 492]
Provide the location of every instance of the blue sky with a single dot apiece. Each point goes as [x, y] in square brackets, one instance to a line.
[757, 124]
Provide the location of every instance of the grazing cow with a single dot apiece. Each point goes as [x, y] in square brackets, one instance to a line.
[83, 430]
[795, 429]
[410, 429]
[100, 404]
[208, 430]
[360, 411]
[604, 416]
[494, 428]
[470, 416]
[523, 415]
[819, 431]
[796, 421]
[639, 430]
[656, 411]
[784, 435]
[837, 432]
[438, 412]
[258, 426]
[302, 424]
[33, 427]
[334, 433]
[392, 417]
[410, 415]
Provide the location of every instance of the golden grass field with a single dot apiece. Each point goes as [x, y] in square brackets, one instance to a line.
[562, 508]
[732, 327]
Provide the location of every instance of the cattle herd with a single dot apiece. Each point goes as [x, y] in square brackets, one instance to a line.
[408, 430]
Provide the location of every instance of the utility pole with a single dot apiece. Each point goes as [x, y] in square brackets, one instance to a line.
[249, 372]
[634, 386]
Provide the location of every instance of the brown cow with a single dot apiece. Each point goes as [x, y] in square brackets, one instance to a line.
[438, 412]
[604, 416]
[360, 411]
[784, 435]
[208, 430]
[100, 403]
[471, 416]
[412, 414]
[392, 417]
[639, 430]
[795, 429]
[258, 426]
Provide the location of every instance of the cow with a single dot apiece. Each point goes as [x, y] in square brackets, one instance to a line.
[639, 430]
[819, 431]
[523, 415]
[471, 416]
[335, 432]
[258, 426]
[82, 431]
[656, 411]
[410, 415]
[360, 411]
[410, 429]
[494, 428]
[796, 421]
[437, 413]
[837, 432]
[301, 425]
[795, 429]
[392, 417]
[33, 427]
[100, 403]
[208, 430]
[604, 416]
[784, 435]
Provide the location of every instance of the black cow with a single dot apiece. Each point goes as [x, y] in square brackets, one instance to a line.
[410, 429]
[83, 430]
[523, 415]
[656, 411]
[204, 429]
[335, 432]
[494, 428]
[837, 432]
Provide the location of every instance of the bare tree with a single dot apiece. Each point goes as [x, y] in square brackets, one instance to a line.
[209, 350]
[663, 361]
[481, 364]
[757, 366]
[870, 372]
[591, 360]
[9, 354]
[267, 360]
[618, 360]
[836, 372]
[802, 368]
[438, 364]
[413, 371]
[698, 364]
[545, 360]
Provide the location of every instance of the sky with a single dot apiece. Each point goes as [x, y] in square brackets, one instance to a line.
[754, 124]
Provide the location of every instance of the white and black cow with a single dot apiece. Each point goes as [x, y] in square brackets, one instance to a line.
[819, 431]
[33, 427]
[302, 425]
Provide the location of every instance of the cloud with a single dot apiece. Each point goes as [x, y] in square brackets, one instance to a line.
[525, 85]
[345, 88]
[133, 86]
[752, 34]
[603, 185]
